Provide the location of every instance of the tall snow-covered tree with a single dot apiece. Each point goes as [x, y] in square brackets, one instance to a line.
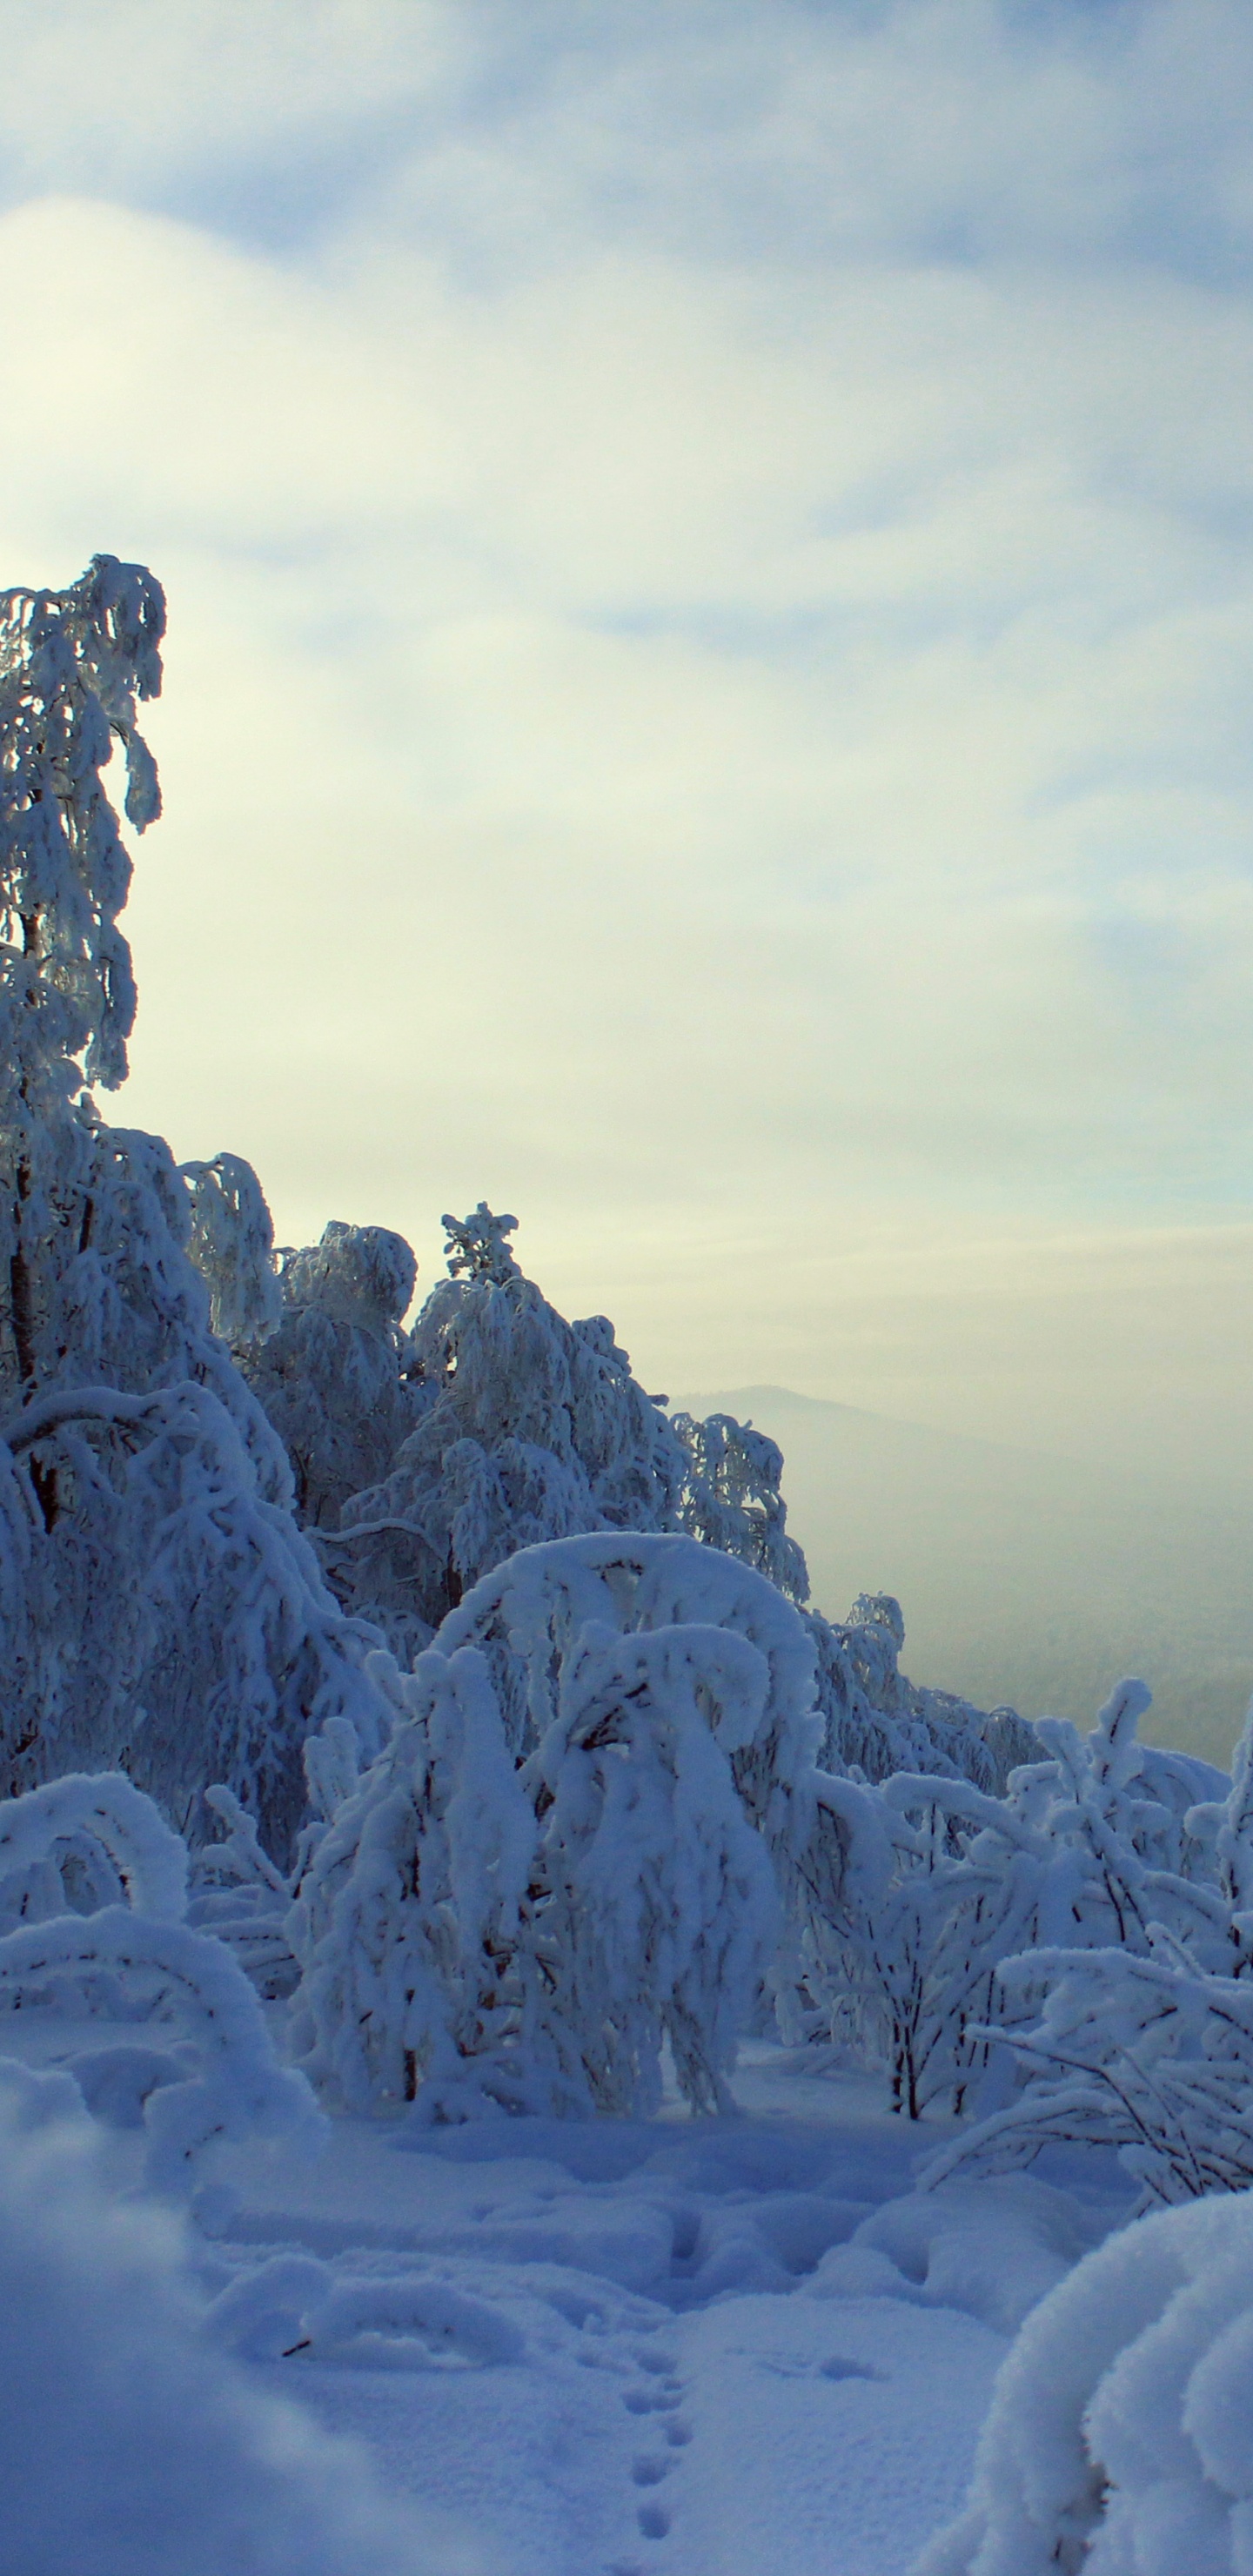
[160, 1609]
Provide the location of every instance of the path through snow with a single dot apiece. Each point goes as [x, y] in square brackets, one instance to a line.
[715, 2348]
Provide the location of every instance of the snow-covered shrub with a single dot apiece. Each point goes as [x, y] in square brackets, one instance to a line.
[938, 1885]
[190, 1986]
[1148, 2054]
[530, 1428]
[130, 2443]
[1119, 2441]
[239, 1895]
[967, 1894]
[567, 1853]
[1129, 2001]
[87, 1841]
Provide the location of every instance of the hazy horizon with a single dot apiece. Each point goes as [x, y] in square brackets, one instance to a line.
[1024, 1578]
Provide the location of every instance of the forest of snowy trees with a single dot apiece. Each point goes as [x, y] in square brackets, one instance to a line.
[419, 1713]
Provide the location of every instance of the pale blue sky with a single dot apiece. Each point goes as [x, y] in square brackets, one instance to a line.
[710, 554]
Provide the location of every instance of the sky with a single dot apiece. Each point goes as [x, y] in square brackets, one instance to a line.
[710, 560]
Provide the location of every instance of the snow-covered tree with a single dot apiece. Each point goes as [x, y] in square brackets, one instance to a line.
[528, 1428]
[496, 1425]
[232, 1246]
[731, 1497]
[577, 1844]
[159, 1607]
[526, 1614]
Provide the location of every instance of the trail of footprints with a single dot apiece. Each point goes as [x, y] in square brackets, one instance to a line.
[656, 2400]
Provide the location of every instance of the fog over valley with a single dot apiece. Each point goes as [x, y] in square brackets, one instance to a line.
[1023, 1576]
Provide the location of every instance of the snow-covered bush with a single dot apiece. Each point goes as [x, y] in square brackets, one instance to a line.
[963, 1894]
[1119, 2441]
[1147, 2054]
[238, 1894]
[84, 1842]
[130, 2443]
[189, 1986]
[900, 1963]
[567, 1854]
[1128, 2000]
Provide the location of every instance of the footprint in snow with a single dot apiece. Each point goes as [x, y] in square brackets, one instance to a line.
[660, 2395]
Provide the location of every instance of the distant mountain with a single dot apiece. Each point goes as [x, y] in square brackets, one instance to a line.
[1023, 1577]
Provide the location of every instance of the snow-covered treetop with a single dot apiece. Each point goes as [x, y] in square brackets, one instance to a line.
[360, 1274]
[476, 1245]
[232, 1246]
[72, 665]
[331, 1376]
[731, 1497]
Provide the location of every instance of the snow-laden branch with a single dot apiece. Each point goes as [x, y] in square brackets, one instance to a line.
[46, 1413]
[240, 2090]
[109, 1812]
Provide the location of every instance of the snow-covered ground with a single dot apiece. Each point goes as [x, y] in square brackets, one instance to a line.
[735, 2347]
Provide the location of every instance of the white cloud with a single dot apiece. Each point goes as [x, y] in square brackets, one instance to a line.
[711, 595]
